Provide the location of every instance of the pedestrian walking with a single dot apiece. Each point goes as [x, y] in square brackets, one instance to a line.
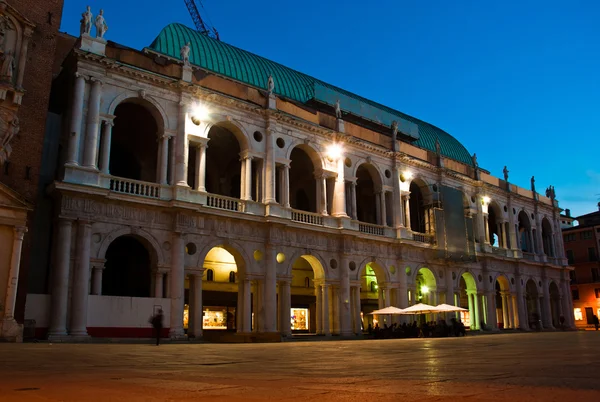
[596, 323]
[157, 324]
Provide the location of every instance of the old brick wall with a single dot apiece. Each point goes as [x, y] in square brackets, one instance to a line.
[28, 144]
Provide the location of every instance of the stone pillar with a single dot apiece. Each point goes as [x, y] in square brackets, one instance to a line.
[13, 273]
[60, 280]
[269, 167]
[539, 310]
[76, 117]
[167, 285]
[353, 199]
[319, 309]
[396, 199]
[257, 322]
[247, 307]
[23, 57]
[449, 289]
[196, 312]
[269, 304]
[286, 186]
[106, 140]
[90, 154]
[486, 226]
[97, 279]
[325, 313]
[344, 297]
[158, 284]
[383, 210]
[546, 313]
[476, 305]
[471, 309]
[357, 321]
[247, 178]
[522, 313]
[407, 211]
[339, 191]
[378, 219]
[285, 303]
[322, 192]
[181, 148]
[515, 311]
[492, 321]
[163, 162]
[504, 239]
[505, 320]
[177, 279]
[81, 280]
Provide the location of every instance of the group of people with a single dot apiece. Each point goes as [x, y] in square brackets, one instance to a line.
[429, 329]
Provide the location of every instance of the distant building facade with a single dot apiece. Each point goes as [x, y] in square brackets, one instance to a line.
[237, 194]
[582, 248]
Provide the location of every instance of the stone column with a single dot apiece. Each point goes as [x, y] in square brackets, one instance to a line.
[471, 309]
[97, 279]
[167, 285]
[515, 312]
[383, 221]
[325, 313]
[322, 191]
[486, 227]
[492, 321]
[23, 57]
[356, 309]
[60, 280]
[546, 313]
[269, 167]
[339, 191]
[504, 239]
[90, 155]
[407, 211]
[319, 309]
[181, 148]
[247, 178]
[13, 273]
[505, 320]
[269, 304]
[397, 199]
[158, 284]
[196, 312]
[353, 199]
[378, 219]
[106, 140]
[76, 117]
[476, 305]
[247, 307]
[257, 322]
[164, 159]
[344, 297]
[286, 186]
[177, 279]
[449, 289]
[81, 280]
[285, 302]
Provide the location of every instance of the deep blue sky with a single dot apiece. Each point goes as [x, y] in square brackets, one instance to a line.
[517, 82]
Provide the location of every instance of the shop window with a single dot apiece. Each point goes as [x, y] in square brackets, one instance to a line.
[232, 277]
[307, 282]
[210, 275]
[571, 256]
[592, 254]
[299, 318]
[575, 294]
[578, 314]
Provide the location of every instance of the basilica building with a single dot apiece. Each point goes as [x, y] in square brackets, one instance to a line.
[248, 200]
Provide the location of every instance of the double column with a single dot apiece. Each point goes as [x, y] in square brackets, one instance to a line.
[177, 278]
[339, 191]
[381, 208]
[356, 309]
[269, 302]
[97, 269]
[163, 158]
[321, 180]
[90, 155]
[81, 279]
[200, 184]
[13, 273]
[106, 141]
[244, 306]
[181, 146]
[246, 182]
[285, 306]
[406, 202]
[195, 317]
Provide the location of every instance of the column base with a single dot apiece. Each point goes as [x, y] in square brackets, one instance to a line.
[79, 338]
[59, 338]
[11, 330]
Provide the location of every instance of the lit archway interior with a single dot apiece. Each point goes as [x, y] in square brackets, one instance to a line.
[503, 302]
[371, 295]
[467, 299]
[307, 271]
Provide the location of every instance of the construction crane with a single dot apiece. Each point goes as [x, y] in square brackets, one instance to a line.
[201, 26]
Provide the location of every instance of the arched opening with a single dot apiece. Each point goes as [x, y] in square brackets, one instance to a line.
[533, 305]
[421, 208]
[372, 296]
[547, 238]
[223, 165]
[504, 303]
[302, 182]
[469, 299]
[128, 269]
[306, 309]
[495, 225]
[368, 191]
[219, 291]
[555, 304]
[525, 233]
[134, 146]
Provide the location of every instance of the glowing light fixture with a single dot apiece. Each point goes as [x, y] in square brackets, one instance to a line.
[334, 151]
[406, 175]
[199, 112]
[486, 199]
[424, 289]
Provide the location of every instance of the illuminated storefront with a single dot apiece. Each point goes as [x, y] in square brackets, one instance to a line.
[300, 319]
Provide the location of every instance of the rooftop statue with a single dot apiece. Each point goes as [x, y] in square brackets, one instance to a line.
[101, 26]
[438, 147]
[394, 129]
[474, 159]
[338, 110]
[505, 171]
[185, 54]
[533, 184]
[85, 26]
[270, 85]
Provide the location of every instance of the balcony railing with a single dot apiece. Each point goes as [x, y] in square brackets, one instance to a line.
[369, 228]
[307, 217]
[529, 256]
[222, 202]
[499, 251]
[134, 187]
[422, 237]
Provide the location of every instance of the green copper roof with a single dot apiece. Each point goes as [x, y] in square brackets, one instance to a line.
[246, 67]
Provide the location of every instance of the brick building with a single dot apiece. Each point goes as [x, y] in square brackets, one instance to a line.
[28, 34]
[582, 250]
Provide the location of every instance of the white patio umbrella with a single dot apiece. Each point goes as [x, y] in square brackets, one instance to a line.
[421, 308]
[391, 310]
[448, 308]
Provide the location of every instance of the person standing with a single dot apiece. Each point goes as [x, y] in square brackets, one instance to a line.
[157, 324]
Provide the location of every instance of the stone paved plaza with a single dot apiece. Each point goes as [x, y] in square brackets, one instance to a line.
[515, 367]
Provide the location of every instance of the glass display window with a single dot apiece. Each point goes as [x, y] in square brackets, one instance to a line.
[465, 318]
[299, 319]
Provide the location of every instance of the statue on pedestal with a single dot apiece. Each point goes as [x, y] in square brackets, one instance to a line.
[85, 26]
[505, 171]
[438, 147]
[184, 53]
[10, 130]
[101, 26]
[550, 192]
[338, 110]
[394, 130]
[270, 85]
[8, 66]
[474, 159]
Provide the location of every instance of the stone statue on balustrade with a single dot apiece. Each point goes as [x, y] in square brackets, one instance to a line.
[101, 26]
[533, 184]
[338, 110]
[184, 53]
[394, 130]
[270, 85]
[505, 171]
[85, 26]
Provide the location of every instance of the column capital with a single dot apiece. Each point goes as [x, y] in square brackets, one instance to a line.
[28, 32]
[84, 222]
[79, 75]
[96, 80]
